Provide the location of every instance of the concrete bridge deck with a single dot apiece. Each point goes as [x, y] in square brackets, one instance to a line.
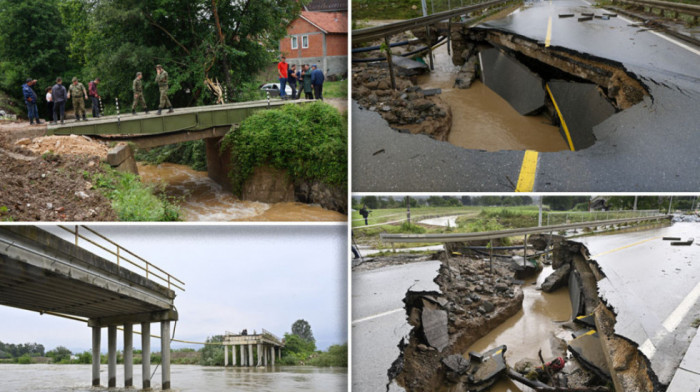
[254, 346]
[44, 273]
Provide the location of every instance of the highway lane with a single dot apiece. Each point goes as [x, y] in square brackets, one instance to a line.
[654, 288]
[648, 147]
[379, 319]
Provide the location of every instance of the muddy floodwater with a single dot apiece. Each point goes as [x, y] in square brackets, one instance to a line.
[531, 329]
[482, 120]
[37, 378]
[202, 199]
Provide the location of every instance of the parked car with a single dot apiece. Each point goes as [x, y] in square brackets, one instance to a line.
[274, 89]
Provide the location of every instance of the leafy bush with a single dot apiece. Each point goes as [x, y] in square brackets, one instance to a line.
[24, 359]
[192, 154]
[411, 228]
[133, 200]
[308, 141]
[337, 355]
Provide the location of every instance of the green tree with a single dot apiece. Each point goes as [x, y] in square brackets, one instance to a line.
[370, 201]
[59, 354]
[302, 328]
[33, 43]
[213, 354]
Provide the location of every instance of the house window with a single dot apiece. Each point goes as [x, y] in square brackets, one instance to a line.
[295, 43]
[304, 41]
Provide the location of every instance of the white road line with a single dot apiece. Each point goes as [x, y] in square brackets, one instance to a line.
[672, 321]
[671, 40]
[377, 315]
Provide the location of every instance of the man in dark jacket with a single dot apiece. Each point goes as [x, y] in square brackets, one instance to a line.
[30, 100]
[94, 97]
[365, 213]
[317, 79]
[292, 79]
[58, 92]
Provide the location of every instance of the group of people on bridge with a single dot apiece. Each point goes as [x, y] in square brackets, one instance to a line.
[57, 95]
[310, 79]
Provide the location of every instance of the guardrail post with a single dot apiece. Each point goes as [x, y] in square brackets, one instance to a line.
[430, 47]
[491, 255]
[76, 235]
[390, 62]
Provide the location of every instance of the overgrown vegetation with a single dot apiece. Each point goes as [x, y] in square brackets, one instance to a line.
[131, 199]
[308, 141]
[337, 89]
[192, 154]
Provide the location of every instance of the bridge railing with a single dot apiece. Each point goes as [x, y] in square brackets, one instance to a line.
[679, 8]
[125, 255]
[271, 335]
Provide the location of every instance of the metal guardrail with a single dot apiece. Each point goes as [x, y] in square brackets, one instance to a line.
[377, 32]
[688, 9]
[147, 267]
[489, 235]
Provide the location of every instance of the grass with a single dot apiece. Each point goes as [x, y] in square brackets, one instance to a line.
[337, 89]
[132, 200]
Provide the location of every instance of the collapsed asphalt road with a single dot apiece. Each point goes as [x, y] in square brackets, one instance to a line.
[647, 147]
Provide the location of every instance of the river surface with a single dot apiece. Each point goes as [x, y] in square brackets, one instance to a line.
[183, 378]
[531, 329]
[482, 120]
[202, 199]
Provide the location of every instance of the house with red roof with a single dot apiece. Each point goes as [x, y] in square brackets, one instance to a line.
[319, 36]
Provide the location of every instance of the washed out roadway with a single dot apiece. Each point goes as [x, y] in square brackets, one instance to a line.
[651, 146]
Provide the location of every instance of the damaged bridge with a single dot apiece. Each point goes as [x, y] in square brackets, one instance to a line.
[43, 273]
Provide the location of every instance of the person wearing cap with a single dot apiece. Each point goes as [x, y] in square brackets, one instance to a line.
[138, 94]
[162, 80]
[283, 70]
[94, 97]
[30, 100]
[317, 79]
[58, 94]
[78, 94]
[306, 81]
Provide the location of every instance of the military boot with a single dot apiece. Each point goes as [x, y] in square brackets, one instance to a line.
[159, 110]
[31, 121]
[77, 118]
[133, 112]
[84, 117]
[145, 110]
[38, 121]
[170, 110]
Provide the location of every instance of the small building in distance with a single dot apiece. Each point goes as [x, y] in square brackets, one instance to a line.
[319, 36]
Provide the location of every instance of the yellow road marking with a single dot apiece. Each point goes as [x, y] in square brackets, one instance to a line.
[626, 246]
[526, 179]
[561, 118]
[548, 40]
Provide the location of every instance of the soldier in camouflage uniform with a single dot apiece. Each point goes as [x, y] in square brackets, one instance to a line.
[78, 92]
[138, 94]
[162, 80]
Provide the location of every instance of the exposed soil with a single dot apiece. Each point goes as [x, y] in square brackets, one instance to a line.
[54, 186]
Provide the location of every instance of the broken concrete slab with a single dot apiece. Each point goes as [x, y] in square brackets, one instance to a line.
[455, 366]
[513, 81]
[576, 294]
[408, 67]
[587, 349]
[467, 74]
[118, 154]
[581, 107]
[556, 279]
[486, 367]
[434, 322]
[587, 320]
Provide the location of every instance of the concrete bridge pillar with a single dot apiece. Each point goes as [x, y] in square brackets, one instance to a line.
[112, 356]
[242, 355]
[272, 356]
[146, 355]
[218, 163]
[233, 355]
[225, 355]
[165, 353]
[279, 353]
[260, 354]
[265, 354]
[96, 335]
[128, 355]
[250, 354]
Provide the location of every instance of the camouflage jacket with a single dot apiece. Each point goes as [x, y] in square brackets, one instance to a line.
[77, 90]
[162, 79]
[138, 86]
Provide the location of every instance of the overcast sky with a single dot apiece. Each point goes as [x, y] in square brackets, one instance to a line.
[236, 277]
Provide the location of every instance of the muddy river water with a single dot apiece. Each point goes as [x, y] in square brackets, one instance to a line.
[482, 120]
[538, 321]
[38, 378]
[202, 199]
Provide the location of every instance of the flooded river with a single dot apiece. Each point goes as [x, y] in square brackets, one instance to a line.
[538, 321]
[202, 199]
[37, 378]
[481, 119]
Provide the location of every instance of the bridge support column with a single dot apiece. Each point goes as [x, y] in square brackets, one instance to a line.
[265, 354]
[165, 353]
[279, 353]
[128, 355]
[225, 355]
[112, 356]
[96, 337]
[233, 355]
[260, 354]
[146, 355]
[250, 354]
[272, 356]
[242, 347]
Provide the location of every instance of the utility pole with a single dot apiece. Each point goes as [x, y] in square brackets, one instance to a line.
[408, 209]
[539, 217]
[425, 7]
[635, 203]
